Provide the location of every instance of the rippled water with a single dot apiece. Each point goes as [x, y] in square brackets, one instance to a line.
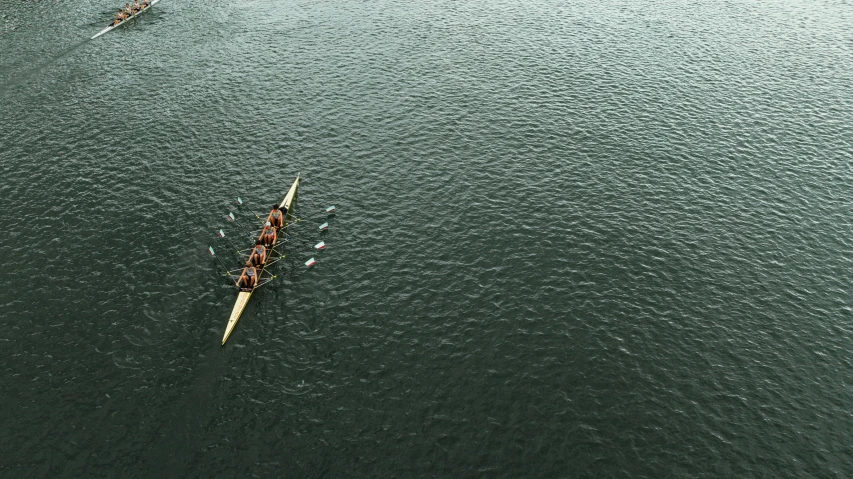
[597, 239]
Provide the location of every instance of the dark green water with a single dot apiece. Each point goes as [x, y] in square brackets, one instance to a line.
[575, 239]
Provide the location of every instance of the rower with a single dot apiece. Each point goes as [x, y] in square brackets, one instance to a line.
[127, 9]
[268, 235]
[249, 277]
[119, 17]
[275, 217]
[258, 256]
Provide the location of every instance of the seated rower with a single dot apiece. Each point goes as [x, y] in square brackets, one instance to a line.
[127, 9]
[249, 277]
[258, 256]
[275, 217]
[119, 17]
[136, 6]
[268, 235]
[146, 3]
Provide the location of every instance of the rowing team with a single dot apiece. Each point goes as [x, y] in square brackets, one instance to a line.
[263, 246]
[130, 10]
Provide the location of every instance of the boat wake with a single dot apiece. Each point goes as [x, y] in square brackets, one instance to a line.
[15, 80]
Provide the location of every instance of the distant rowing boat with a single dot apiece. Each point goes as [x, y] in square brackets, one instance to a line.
[243, 296]
[112, 27]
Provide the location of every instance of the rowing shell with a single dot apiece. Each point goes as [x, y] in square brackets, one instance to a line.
[111, 27]
[243, 296]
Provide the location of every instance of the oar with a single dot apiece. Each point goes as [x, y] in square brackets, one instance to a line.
[323, 227]
[257, 215]
[233, 218]
[240, 203]
[330, 211]
[227, 272]
[222, 235]
[291, 223]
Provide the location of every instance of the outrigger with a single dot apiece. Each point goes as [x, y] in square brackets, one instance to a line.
[246, 293]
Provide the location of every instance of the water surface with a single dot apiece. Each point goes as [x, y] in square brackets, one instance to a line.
[595, 239]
